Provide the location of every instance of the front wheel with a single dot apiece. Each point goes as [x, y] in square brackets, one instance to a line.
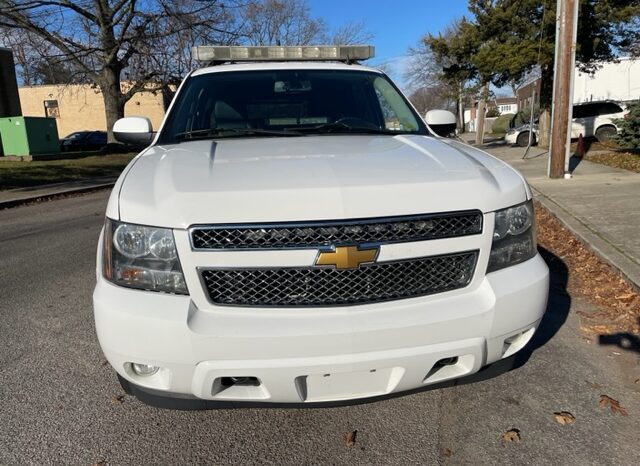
[523, 139]
[605, 133]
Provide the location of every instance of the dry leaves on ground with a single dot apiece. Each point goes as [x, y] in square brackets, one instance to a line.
[350, 438]
[511, 436]
[587, 275]
[117, 399]
[564, 417]
[626, 160]
[446, 452]
[608, 402]
[99, 463]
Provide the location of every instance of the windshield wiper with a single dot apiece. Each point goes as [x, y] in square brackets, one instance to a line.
[229, 132]
[342, 127]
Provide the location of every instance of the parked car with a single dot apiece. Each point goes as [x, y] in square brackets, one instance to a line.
[596, 119]
[591, 119]
[84, 140]
[296, 233]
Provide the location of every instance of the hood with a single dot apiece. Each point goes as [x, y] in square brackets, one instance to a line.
[311, 178]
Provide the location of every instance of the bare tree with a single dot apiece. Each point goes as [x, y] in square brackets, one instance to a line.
[101, 38]
[24, 53]
[281, 22]
[422, 70]
[424, 75]
[169, 55]
[351, 33]
[433, 97]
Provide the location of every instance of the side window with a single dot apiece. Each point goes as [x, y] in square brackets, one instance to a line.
[590, 110]
[609, 108]
[397, 116]
[578, 111]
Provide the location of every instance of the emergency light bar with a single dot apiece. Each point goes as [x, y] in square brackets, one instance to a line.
[219, 54]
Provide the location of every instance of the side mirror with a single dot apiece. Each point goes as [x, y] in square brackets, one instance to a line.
[442, 122]
[134, 130]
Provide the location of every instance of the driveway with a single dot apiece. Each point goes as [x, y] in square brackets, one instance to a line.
[60, 402]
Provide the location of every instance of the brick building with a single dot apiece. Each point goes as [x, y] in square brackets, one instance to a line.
[80, 107]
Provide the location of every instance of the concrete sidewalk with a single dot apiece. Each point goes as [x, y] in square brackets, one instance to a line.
[600, 204]
[16, 197]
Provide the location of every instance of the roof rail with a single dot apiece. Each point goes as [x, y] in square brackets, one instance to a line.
[214, 54]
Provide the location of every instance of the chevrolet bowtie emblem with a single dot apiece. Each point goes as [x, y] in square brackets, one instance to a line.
[347, 257]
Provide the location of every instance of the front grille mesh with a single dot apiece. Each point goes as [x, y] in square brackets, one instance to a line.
[318, 234]
[323, 286]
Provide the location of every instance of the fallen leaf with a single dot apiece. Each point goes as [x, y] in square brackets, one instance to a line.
[99, 463]
[594, 386]
[117, 399]
[564, 417]
[608, 402]
[446, 452]
[350, 438]
[511, 436]
[626, 298]
[637, 381]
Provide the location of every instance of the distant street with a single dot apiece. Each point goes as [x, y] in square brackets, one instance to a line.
[60, 401]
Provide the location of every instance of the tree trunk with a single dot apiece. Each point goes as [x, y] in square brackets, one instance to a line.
[167, 96]
[482, 107]
[113, 99]
[461, 106]
[546, 97]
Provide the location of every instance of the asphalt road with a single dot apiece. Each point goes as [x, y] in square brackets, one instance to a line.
[56, 389]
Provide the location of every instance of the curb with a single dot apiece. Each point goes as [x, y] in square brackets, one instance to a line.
[54, 195]
[593, 241]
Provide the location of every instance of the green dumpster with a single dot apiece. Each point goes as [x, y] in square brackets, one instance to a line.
[29, 136]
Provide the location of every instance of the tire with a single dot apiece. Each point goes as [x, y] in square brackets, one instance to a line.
[523, 139]
[605, 133]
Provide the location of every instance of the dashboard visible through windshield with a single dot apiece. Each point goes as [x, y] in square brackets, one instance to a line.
[288, 103]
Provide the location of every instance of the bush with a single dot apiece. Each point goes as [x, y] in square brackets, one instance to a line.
[493, 112]
[524, 115]
[628, 136]
[501, 124]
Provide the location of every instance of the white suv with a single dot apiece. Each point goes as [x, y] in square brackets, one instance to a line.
[596, 119]
[295, 233]
[591, 119]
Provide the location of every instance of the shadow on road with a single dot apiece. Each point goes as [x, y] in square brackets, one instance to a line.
[623, 340]
[574, 161]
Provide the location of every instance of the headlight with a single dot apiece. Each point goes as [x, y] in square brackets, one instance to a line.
[514, 237]
[142, 257]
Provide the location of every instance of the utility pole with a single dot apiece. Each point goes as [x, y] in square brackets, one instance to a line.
[562, 110]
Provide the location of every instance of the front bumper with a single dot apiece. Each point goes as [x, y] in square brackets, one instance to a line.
[321, 354]
[511, 138]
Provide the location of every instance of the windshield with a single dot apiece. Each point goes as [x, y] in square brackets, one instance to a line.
[288, 103]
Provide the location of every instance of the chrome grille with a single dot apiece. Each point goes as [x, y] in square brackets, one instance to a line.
[318, 234]
[327, 286]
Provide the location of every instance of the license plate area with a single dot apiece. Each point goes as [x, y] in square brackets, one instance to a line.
[348, 385]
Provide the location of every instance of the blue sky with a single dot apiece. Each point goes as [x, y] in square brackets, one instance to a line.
[396, 25]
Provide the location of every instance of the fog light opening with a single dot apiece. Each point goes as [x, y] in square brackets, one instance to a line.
[144, 370]
[516, 342]
[243, 381]
[447, 362]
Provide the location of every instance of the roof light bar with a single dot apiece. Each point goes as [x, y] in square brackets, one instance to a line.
[218, 54]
